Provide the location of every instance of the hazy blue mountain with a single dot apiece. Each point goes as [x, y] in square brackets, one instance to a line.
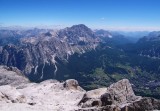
[112, 38]
[133, 36]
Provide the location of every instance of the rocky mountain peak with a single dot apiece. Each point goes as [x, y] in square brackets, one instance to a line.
[80, 27]
[39, 49]
[103, 33]
[77, 31]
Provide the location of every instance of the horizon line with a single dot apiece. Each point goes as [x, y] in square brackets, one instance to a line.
[108, 28]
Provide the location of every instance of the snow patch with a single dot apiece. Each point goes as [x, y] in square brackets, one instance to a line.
[110, 36]
[69, 52]
[55, 69]
[35, 69]
[42, 70]
[54, 62]
[53, 59]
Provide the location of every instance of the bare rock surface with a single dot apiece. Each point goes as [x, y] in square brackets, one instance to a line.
[49, 95]
[9, 94]
[11, 76]
[52, 95]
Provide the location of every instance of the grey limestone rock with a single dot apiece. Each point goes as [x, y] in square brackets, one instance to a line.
[12, 76]
[10, 94]
[72, 84]
[117, 93]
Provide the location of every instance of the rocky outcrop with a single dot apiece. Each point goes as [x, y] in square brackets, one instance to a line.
[117, 97]
[72, 84]
[122, 92]
[12, 76]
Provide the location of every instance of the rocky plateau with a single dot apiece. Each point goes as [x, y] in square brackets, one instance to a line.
[18, 94]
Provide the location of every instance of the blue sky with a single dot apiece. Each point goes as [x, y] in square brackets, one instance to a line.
[107, 14]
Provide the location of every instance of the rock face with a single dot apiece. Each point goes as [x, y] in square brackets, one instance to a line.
[117, 97]
[122, 92]
[11, 76]
[39, 51]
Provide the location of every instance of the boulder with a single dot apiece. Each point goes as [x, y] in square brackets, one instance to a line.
[122, 92]
[72, 84]
[92, 98]
[116, 95]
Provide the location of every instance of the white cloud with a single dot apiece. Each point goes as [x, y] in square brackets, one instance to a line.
[102, 18]
[127, 28]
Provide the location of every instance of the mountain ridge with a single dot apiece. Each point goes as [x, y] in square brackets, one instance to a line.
[95, 60]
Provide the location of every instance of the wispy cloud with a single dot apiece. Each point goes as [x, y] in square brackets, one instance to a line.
[134, 28]
[102, 18]
[128, 28]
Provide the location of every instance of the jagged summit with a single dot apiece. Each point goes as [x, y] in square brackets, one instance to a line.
[103, 33]
[77, 31]
[80, 27]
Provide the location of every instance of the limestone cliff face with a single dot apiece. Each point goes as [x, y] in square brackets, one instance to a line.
[34, 55]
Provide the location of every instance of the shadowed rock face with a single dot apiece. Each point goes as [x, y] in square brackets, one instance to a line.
[106, 99]
[34, 55]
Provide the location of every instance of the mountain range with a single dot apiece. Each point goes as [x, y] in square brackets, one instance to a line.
[96, 58]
